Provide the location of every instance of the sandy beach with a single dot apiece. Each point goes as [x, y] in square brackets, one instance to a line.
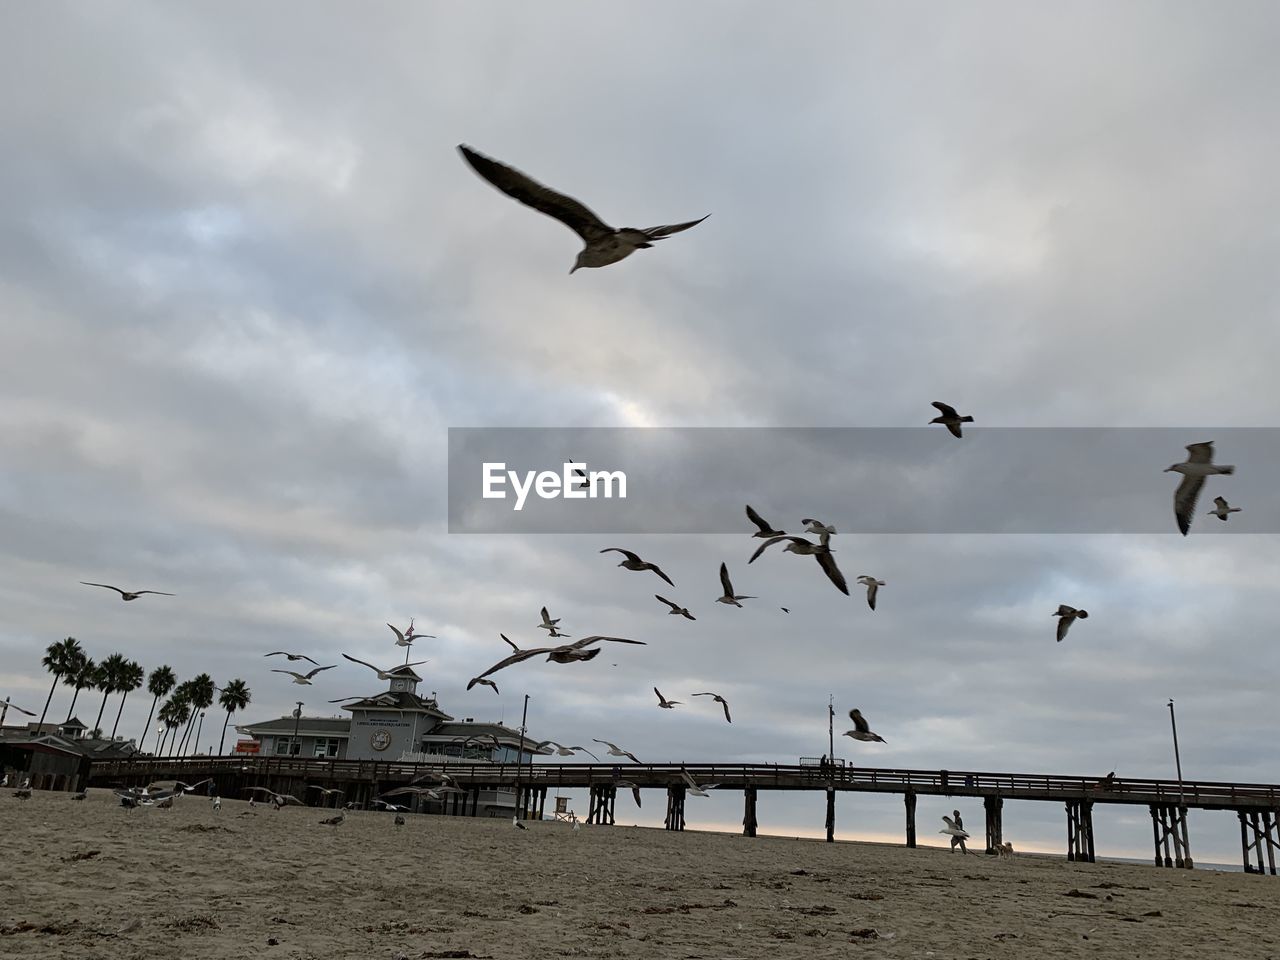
[92, 880]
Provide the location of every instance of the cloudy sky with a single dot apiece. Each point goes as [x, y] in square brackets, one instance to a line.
[247, 285]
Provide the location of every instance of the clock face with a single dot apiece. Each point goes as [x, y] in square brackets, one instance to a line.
[380, 740]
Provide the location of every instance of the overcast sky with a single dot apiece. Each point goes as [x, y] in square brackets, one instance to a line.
[247, 284]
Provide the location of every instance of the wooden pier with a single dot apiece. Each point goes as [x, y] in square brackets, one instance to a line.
[1257, 805]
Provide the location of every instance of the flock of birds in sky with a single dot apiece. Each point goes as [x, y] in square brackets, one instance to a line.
[604, 245]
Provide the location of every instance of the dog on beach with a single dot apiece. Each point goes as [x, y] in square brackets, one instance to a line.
[1004, 849]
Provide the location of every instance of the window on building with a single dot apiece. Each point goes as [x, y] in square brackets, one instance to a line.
[284, 746]
[327, 747]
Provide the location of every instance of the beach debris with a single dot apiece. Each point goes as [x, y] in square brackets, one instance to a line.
[77, 857]
[1074, 892]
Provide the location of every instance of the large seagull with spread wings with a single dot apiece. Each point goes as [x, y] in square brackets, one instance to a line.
[604, 244]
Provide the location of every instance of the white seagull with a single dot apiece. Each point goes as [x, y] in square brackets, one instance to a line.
[952, 830]
[694, 788]
[1067, 616]
[405, 639]
[566, 653]
[817, 526]
[820, 552]
[950, 419]
[861, 729]
[663, 702]
[547, 623]
[1199, 464]
[305, 678]
[617, 751]
[676, 610]
[1223, 508]
[291, 657]
[729, 596]
[564, 751]
[872, 585]
[384, 674]
[604, 244]
[633, 562]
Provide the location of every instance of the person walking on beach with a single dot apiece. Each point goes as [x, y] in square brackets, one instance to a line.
[955, 816]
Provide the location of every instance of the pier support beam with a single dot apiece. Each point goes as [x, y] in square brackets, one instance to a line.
[831, 814]
[675, 806]
[749, 812]
[994, 807]
[1080, 830]
[1169, 823]
[600, 808]
[910, 799]
[1259, 832]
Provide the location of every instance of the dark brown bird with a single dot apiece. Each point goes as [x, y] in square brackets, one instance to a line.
[124, 594]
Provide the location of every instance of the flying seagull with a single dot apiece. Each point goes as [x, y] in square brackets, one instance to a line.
[547, 623]
[1198, 466]
[564, 751]
[633, 562]
[487, 683]
[277, 799]
[817, 526]
[950, 419]
[567, 653]
[729, 596]
[675, 610]
[292, 657]
[720, 700]
[406, 639]
[305, 678]
[617, 751]
[384, 674]
[124, 594]
[807, 548]
[872, 585]
[604, 244]
[953, 830]
[861, 729]
[694, 788]
[635, 788]
[327, 792]
[663, 702]
[766, 529]
[1223, 508]
[1067, 616]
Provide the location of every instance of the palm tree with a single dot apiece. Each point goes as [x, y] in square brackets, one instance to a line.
[131, 677]
[83, 673]
[159, 684]
[59, 659]
[182, 695]
[202, 691]
[109, 676]
[173, 714]
[235, 696]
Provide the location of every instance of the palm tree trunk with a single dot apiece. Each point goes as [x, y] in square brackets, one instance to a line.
[97, 724]
[74, 697]
[222, 743]
[49, 700]
[147, 728]
[195, 744]
[118, 712]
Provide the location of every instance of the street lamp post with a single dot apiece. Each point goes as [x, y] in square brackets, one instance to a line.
[297, 720]
[1177, 759]
[524, 715]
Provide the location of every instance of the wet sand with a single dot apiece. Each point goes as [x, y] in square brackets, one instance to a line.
[257, 883]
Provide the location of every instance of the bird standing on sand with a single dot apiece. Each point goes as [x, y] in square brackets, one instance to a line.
[399, 820]
[872, 585]
[515, 822]
[1067, 616]
[720, 700]
[676, 610]
[305, 678]
[950, 419]
[604, 244]
[766, 529]
[1199, 464]
[861, 729]
[633, 562]
[334, 821]
[729, 596]
[124, 594]
[1222, 508]
[663, 702]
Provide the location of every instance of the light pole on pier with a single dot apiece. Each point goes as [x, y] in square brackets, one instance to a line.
[1173, 721]
[524, 715]
[296, 747]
